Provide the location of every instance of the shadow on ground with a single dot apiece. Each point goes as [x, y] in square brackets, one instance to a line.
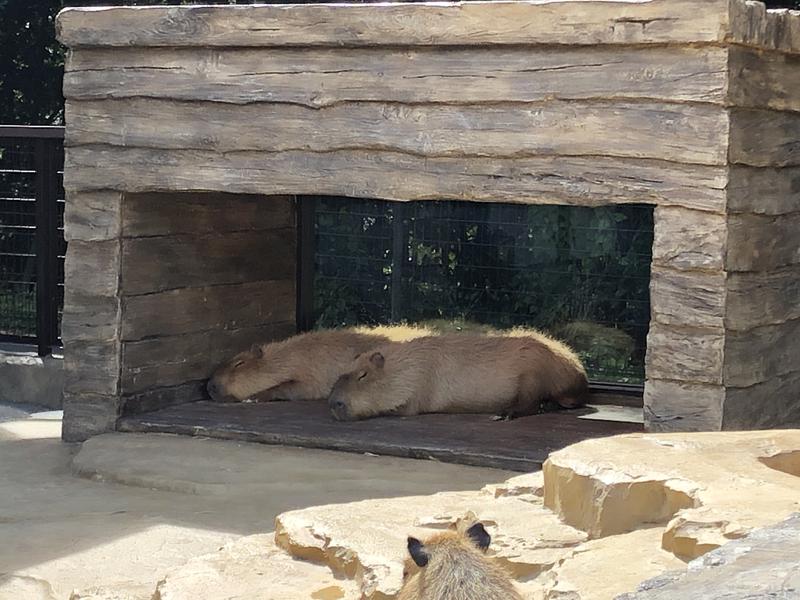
[76, 533]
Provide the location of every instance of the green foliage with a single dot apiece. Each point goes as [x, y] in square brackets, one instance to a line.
[31, 63]
[605, 350]
[18, 310]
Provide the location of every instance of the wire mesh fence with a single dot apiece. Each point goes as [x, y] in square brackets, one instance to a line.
[32, 243]
[17, 239]
[581, 274]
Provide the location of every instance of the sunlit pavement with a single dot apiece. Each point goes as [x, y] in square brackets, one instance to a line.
[73, 533]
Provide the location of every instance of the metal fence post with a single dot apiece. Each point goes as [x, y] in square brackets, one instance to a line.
[304, 210]
[46, 248]
[399, 255]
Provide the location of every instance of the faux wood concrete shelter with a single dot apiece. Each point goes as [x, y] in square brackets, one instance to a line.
[190, 129]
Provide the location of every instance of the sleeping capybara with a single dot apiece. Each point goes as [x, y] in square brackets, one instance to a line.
[453, 566]
[302, 367]
[511, 375]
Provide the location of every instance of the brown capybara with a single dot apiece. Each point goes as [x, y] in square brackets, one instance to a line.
[511, 376]
[453, 566]
[303, 367]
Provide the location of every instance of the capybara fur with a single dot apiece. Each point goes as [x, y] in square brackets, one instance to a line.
[510, 376]
[453, 566]
[302, 367]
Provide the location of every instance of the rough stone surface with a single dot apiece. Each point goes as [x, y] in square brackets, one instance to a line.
[253, 568]
[26, 378]
[693, 483]
[367, 540]
[765, 565]
[601, 569]
[522, 486]
[29, 588]
[669, 497]
[101, 593]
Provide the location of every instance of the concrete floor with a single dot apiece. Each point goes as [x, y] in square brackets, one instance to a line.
[145, 504]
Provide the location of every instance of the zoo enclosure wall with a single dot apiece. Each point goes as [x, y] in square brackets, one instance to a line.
[690, 107]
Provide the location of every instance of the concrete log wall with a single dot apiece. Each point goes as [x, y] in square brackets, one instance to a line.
[763, 254]
[726, 313]
[692, 107]
[160, 297]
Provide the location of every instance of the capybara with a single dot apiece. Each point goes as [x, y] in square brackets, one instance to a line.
[453, 566]
[302, 367]
[509, 376]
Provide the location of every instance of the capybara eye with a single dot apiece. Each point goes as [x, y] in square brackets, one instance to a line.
[238, 364]
[364, 374]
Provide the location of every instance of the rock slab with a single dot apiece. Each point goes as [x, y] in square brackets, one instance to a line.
[764, 565]
[366, 541]
[253, 568]
[706, 488]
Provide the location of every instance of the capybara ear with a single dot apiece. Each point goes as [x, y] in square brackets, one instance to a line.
[377, 359]
[257, 351]
[417, 551]
[480, 537]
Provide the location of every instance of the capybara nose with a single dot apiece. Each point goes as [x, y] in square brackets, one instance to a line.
[212, 389]
[339, 409]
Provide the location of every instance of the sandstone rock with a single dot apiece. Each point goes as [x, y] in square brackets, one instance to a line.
[603, 568]
[14, 587]
[529, 487]
[253, 568]
[694, 483]
[366, 540]
[100, 593]
[765, 565]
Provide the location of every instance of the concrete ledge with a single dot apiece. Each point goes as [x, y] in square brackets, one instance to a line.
[26, 378]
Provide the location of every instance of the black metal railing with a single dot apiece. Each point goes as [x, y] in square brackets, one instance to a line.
[32, 245]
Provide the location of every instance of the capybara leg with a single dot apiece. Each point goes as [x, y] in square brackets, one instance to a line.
[577, 399]
[528, 401]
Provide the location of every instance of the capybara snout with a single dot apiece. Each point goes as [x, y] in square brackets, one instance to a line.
[339, 410]
[355, 390]
[214, 392]
[337, 401]
[226, 384]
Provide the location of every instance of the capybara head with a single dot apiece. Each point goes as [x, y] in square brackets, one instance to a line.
[357, 393]
[249, 374]
[453, 566]
[439, 547]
